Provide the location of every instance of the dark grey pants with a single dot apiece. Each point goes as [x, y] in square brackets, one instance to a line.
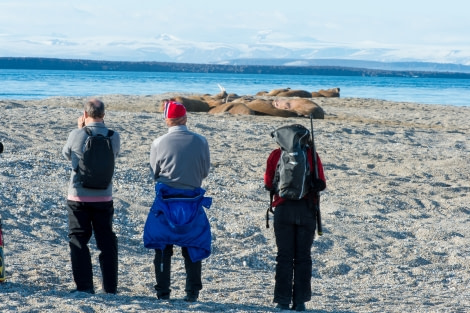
[86, 218]
[294, 228]
[162, 262]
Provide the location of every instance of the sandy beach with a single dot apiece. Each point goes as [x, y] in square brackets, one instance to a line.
[395, 213]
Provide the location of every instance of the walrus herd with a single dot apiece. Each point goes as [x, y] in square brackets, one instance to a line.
[278, 102]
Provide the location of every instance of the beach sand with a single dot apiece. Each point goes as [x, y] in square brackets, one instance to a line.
[395, 213]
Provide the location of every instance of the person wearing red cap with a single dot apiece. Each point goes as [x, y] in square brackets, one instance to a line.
[179, 159]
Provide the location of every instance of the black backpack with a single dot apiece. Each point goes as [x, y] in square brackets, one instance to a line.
[292, 179]
[96, 167]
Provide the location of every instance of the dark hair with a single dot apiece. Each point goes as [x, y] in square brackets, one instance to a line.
[95, 108]
[1, 147]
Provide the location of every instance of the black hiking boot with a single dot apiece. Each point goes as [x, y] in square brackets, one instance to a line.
[282, 306]
[88, 290]
[299, 307]
[191, 296]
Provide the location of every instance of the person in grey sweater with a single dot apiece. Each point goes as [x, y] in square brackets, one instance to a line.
[90, 210]
[181, 160]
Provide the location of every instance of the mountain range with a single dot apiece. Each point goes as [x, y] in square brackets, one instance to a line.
[305, 52]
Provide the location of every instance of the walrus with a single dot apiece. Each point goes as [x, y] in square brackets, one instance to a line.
[262, 93]
[275, 92]
[221, 108]
[232, 108]
[211, 101]
[223, 94]
[191, 105]
[301, 106]
[266, 107]
[295, 93]
[332, 92]
[241, 108]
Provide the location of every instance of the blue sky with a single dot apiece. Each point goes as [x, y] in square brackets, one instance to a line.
[151, 30]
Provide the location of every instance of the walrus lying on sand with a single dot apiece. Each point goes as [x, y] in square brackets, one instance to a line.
[301, 106]
[282, 106]
[328, 93]
[191, 105]
[232, 108]
[287, 92]
[266, 107]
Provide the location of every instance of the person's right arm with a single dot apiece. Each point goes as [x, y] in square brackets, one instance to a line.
[271, 165]
[153, 160]
[67, 149]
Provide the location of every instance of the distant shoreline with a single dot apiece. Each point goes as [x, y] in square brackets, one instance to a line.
[30, 63]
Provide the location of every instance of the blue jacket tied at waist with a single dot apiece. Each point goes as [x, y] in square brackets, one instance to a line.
[177, 217]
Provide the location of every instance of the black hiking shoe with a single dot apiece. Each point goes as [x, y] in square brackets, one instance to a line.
[282, 306]
[111, 292]
[299, 307]
[89, 290]
[191, 296]
[164, 296]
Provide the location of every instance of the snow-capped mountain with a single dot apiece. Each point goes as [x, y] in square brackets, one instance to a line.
[167, 48]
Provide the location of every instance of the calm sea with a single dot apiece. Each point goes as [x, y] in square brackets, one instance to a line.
[39, 84]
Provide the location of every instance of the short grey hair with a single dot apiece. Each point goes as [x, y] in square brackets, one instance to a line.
[95, 108]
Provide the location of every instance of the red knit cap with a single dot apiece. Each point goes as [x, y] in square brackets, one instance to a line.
[174, 110]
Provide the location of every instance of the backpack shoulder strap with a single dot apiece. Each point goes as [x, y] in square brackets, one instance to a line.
[87, 131]
[90, 133]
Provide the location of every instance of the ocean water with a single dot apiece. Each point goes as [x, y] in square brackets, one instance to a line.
[39, 84]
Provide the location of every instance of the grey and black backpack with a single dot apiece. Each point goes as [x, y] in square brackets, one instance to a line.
[96, 167]
[292, 179]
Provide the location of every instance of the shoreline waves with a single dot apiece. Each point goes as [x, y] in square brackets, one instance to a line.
[395, 212]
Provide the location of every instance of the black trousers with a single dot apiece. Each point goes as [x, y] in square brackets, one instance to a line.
[294, 229]
[86, 218]
[162, 262]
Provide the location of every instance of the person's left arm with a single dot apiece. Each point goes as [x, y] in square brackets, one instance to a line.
[320, 183]
[207, 160]
[116, 141]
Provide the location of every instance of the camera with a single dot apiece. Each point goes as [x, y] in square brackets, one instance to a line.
[1, 147]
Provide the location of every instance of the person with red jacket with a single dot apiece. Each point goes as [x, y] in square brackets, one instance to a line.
[294, 229]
